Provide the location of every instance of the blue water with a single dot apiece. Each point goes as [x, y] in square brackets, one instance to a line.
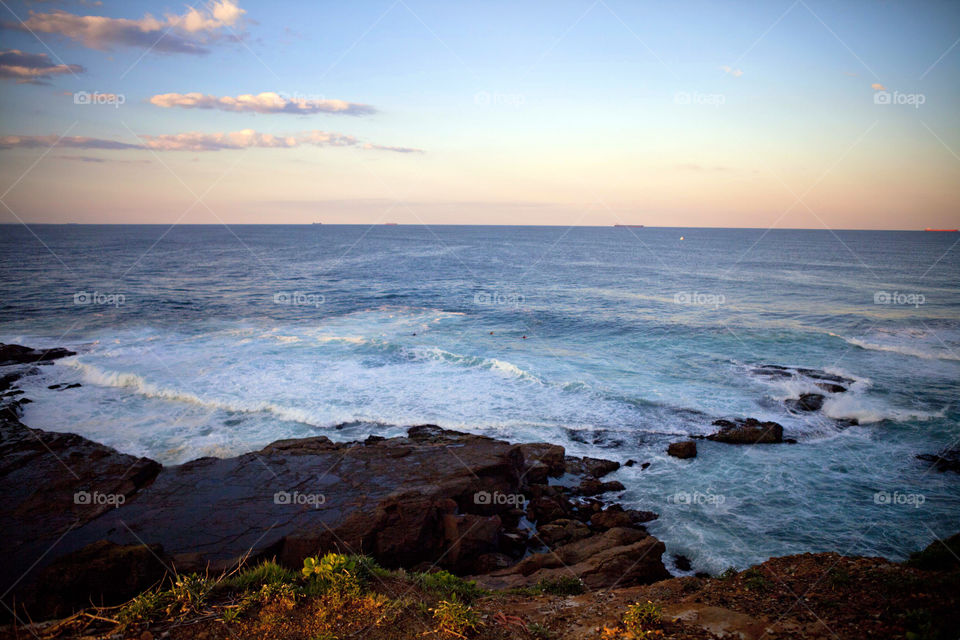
[199, 341]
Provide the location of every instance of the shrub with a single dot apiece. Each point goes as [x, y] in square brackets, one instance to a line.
[147, 606]
[455, 618]
[332, 572]
[268, 572]
[446, 585]
[189, 594]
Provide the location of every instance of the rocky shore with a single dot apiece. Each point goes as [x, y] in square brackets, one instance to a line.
[87, 525]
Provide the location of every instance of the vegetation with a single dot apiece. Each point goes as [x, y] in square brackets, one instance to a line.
[562, 586]
[455, 618]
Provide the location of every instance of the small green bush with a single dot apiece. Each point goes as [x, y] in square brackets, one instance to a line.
[268, 572]
[147, 606]
[455, 618]
[639, 617]
[446, 585]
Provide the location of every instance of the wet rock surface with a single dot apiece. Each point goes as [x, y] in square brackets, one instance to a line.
[747, 431]
[683, 450]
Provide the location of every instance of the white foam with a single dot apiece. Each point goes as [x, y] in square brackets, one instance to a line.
[927, 354]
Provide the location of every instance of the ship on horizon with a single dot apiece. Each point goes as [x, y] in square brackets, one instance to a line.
[947, 230]
[630, 226]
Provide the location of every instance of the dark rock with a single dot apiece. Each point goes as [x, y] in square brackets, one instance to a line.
[645, 465]
[807, 402]
[561, 532]
[548, 508]
[610, 519]
[101, 573]
[946, 460]
[17, 354]
[489, 562]
[683, 450]
[630, 463]
[681, 562]
[594, 487]
[641, 516]
[749, 431]
[832, 387]
[550, 456]
[592, 467]
[617, 557]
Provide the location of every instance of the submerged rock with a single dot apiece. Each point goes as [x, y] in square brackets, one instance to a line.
[18, 354]
[807, 402]
[946, 460]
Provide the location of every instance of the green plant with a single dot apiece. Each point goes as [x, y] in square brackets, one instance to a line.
[446, 585]
[189, 594]
[728, 573]
[562, 586]
[268, 572]
[332, 572]
[754, 580]
[455, 618]
[147, 606]
[642, 615]
[537, 630]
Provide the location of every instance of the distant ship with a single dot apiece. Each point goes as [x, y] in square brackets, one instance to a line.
[316, 223]
[630, 226]
[949, 230]
[390, 224]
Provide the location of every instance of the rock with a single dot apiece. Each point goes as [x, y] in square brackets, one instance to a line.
[562, 531]
[946, 460]
[548, 508]
[807, 402]
[749, 431]
[594, 487]
[638, 517]
[831, 387]
[17, 354]
[682, 562]
[645, 465]
[683, 450]
[611, 518]
[549, 455]
[618, 557]
[102, 573]
[592, 467]
[630, 463]
[490, 562]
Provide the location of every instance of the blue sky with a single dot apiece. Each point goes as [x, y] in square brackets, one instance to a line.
[687, 113]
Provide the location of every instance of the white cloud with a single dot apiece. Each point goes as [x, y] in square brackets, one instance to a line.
[198, 141]
[187, 33]
[736, 73]
[266, 102]
[876, 86]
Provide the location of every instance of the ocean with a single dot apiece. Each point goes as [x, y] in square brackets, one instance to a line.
[213, 341]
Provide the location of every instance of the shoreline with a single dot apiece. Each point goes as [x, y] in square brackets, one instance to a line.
[106, 526]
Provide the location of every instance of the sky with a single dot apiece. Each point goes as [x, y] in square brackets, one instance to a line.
[784, 114]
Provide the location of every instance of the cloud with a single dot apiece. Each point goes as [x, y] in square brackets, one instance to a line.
[32, 68]
[267, 102]
[74, 142]
[876, 86]
[198, 141]
[736, 73]
[187, 33]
